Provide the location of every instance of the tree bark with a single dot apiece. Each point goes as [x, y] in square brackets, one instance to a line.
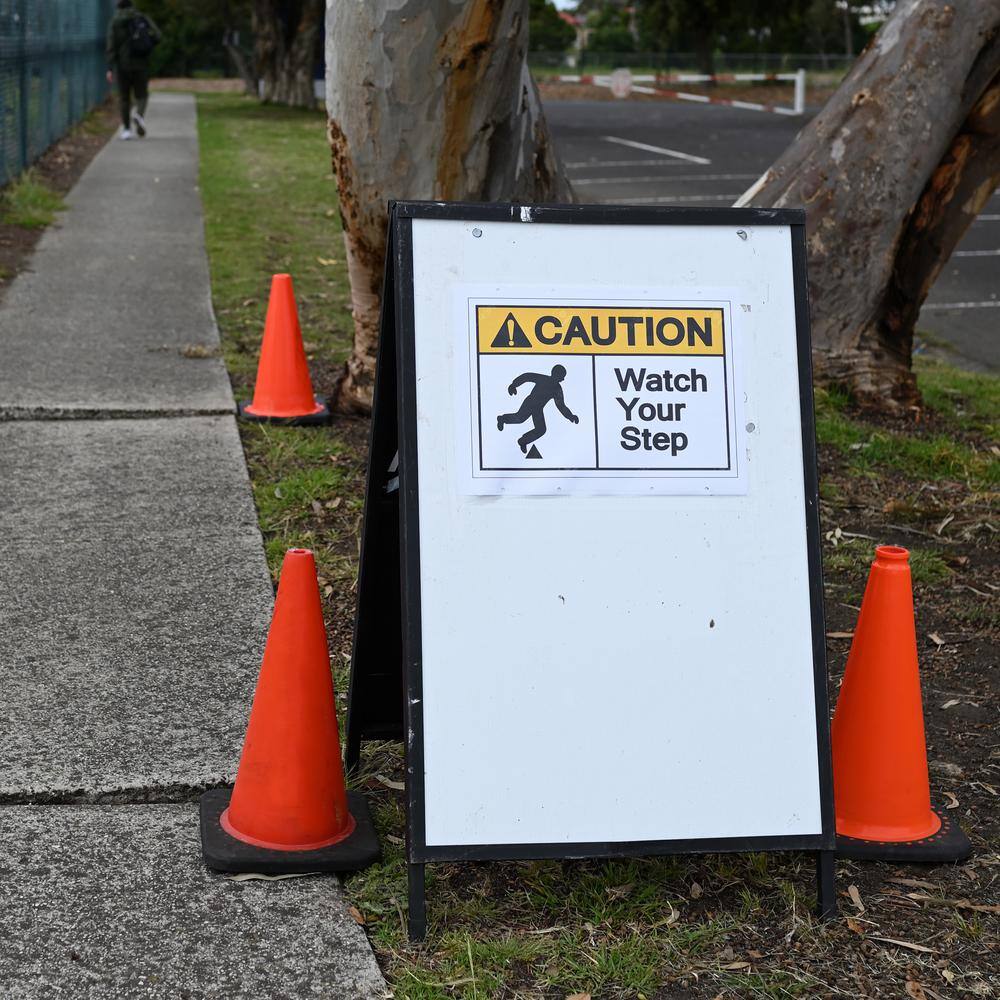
[891, 173]
[240, 62]
[427, 99]
[286, 34]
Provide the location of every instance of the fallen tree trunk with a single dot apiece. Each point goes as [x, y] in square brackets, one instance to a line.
[427, 99]
[891, 173]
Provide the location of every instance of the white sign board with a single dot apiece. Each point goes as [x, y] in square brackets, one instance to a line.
[612, 602]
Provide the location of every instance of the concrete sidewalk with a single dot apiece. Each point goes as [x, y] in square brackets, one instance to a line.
[134, 602]
[116, 291]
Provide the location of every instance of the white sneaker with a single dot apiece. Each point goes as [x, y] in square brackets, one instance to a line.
[139, 122]
[125, 133]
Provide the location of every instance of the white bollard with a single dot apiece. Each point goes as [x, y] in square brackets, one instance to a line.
[800, 92]
[621, 82]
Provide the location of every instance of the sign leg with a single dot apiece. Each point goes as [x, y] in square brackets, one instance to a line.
[826, 885]
[418, 907]
[352, 750]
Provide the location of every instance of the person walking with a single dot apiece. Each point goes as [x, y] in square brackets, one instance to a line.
[132, 36]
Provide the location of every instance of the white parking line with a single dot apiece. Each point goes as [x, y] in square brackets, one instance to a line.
[671, 199]
[655, 149]
[982, 218]
[660, 180]
[598, 164]
[976, 253]
[940, 306]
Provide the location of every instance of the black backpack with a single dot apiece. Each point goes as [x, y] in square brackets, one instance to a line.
[141, 39]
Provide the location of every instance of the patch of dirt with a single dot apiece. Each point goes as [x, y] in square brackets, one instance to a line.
[59, 167]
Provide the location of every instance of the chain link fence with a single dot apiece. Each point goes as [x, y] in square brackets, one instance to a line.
[51, 73]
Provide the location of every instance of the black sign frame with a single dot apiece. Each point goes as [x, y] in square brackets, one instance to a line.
[386, 691]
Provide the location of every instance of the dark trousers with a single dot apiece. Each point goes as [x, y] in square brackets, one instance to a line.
[132, 83]
[537, 415]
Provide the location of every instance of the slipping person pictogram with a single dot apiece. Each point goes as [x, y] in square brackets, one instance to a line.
[547, 389]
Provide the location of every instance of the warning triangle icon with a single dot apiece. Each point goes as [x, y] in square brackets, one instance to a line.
[533, 453]
[510, 334]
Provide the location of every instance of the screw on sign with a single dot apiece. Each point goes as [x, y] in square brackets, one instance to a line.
[621, 82]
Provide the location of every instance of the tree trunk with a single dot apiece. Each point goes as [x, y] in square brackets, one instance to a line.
[891, 173]
[428, 99]
[705, 56]
[230, 42]
[286, 33]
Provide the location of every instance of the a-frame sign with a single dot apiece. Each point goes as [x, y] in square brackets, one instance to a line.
[590, 597]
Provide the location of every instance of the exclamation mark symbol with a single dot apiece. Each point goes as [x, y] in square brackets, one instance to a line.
[509, 324]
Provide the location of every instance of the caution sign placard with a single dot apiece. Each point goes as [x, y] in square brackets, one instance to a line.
[590, 600]
[602, 395]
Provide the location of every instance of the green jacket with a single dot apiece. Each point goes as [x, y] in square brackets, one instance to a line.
[119, 53]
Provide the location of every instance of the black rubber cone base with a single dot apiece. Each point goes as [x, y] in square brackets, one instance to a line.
[947, 845]
[227, 854]
[309, 420]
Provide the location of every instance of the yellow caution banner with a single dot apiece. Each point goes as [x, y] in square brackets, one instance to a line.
[599, 330]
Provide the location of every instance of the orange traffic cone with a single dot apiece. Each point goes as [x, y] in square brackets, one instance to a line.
[881, 788]
[290, 810]
[283, 393]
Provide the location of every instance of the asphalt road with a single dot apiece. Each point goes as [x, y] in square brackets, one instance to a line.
[673, 153]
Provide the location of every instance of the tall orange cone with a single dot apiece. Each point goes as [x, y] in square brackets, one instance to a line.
[881, 787]
[289, 810]
[283, 393]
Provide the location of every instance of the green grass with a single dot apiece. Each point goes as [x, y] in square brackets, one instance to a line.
[854, 557]
[28, 202]
[969, 401]
[270, 206]
[298, 480]
[94, 123]
[966, 402]
[614, 929]
[766, 986]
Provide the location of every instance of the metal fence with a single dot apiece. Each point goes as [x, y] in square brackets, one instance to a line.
[51, 73]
